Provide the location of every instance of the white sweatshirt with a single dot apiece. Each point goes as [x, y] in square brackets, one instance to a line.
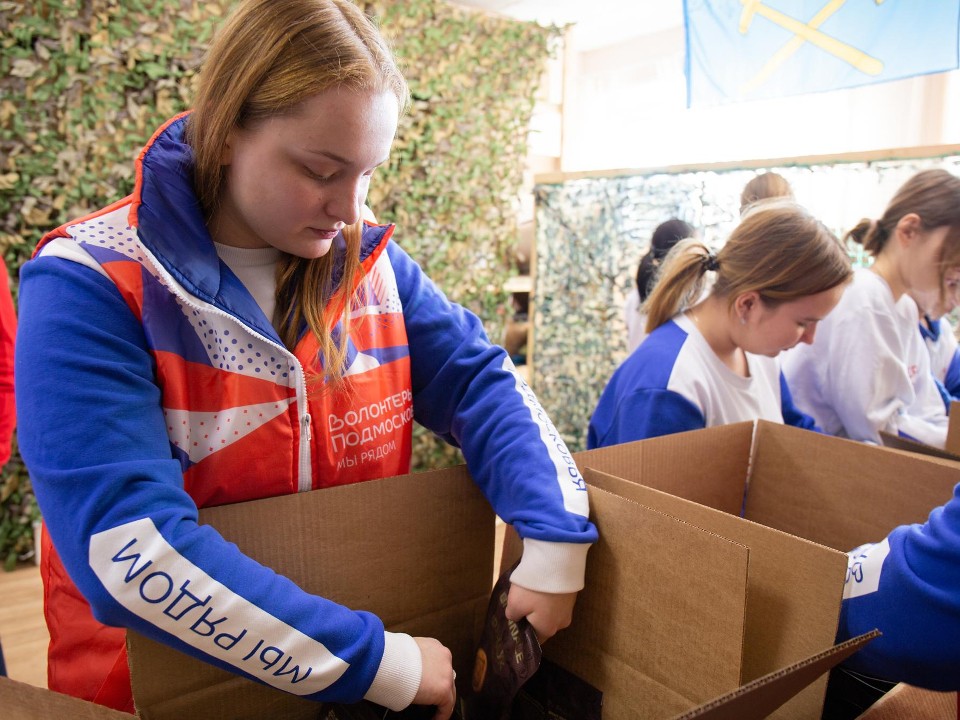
[868, 370]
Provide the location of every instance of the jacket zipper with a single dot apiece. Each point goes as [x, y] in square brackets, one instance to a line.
[304, 477]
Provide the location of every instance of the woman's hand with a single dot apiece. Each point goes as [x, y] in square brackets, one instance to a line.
[436, 681]
[546, 612]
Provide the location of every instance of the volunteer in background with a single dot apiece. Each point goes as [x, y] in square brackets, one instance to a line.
[762, 187]
[666, 235]
[868, 370]
[233, 330]
[715, 363]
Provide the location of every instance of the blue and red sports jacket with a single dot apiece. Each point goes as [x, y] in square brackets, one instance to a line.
[150, 383]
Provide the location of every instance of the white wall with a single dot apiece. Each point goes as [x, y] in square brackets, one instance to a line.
[624, 107]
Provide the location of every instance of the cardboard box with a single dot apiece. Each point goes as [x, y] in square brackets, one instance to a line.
[829, 491]
[951, 449]
[689, 610]
[20, 701]
[676, 615]
[905, 702]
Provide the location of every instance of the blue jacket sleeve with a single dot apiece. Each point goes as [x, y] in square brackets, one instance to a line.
[636, 414]
[792, 415]
[93, 436]
[466, 390]
[908, 587]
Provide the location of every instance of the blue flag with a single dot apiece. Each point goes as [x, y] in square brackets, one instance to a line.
[757, 49]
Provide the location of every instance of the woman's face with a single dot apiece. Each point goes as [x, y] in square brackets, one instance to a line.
[921, 264]
[771, 330]
[294, 181]
[941, 302]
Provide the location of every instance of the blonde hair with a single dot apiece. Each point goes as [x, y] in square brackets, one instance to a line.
[778, 250]
[764, 186]
[934, 196]
[267, 58]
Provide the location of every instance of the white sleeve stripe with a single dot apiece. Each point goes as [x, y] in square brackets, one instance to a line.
[573, 488]
[864, 567]
[144, 573]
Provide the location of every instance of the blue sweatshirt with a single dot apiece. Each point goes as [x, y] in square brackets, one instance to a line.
[674, 382]
[908, 586]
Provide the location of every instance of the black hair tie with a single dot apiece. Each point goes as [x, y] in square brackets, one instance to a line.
[710, 262]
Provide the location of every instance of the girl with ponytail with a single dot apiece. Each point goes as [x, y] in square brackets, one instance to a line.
[868, 370]
[713, 360]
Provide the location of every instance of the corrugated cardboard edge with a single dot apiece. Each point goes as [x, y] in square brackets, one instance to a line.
[28, 702]
[759, 698]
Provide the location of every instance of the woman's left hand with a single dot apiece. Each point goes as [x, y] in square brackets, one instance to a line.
[546, 612]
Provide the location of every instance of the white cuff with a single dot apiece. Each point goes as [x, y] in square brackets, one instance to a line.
[552, 567]
[398, 677]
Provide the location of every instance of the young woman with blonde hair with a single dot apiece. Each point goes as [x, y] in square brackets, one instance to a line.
[868, 371]
[714, 361]
[232, 331]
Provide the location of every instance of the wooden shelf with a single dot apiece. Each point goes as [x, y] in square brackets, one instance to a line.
[519, 284]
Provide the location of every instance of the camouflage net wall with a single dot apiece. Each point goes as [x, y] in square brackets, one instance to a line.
[84, 83]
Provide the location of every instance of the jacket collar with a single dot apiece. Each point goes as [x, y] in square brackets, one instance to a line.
[170, 223]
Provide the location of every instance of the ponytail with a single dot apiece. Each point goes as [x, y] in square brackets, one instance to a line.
[869, 233]
[680, 283]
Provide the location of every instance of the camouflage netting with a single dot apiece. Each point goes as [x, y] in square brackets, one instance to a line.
[83, 84]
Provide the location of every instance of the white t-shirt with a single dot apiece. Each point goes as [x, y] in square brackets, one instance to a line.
[635, 320]
[868, 370]
[257, 270]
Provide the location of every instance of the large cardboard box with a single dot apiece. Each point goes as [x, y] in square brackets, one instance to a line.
[690, 610]
[766, 486]
[662, 621]
[687, 604]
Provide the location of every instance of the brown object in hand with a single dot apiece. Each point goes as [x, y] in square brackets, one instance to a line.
[508, 656]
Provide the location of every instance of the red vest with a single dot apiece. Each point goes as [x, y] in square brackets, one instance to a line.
[238, 435]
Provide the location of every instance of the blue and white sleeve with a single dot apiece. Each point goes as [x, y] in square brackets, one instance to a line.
[908, 586]
[792, 415]
[467, 391]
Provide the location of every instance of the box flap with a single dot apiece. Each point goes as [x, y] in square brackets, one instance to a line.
[901, 443]
[763, 696]
[658, 628]
[906, 702]
[708, 466]
[416, 550]
[953, 429]
[838, 492]
[793, 588]
[21, 701]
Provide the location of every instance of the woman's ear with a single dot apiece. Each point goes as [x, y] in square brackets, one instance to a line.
[745, 304]
[226, 155]
[909, 228]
